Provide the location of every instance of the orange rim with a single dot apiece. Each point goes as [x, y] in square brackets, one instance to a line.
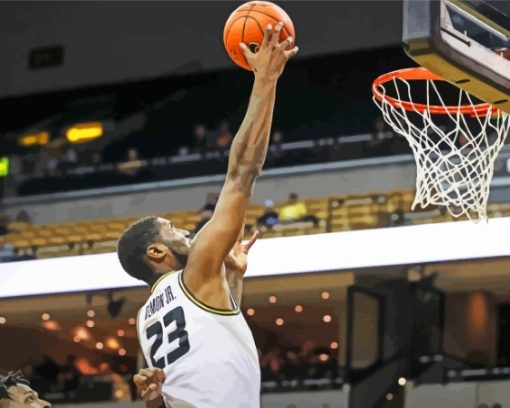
[422, 74]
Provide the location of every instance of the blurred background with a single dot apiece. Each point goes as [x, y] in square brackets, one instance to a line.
[115, 110]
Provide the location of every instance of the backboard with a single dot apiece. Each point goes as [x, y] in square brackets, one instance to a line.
[466, 42]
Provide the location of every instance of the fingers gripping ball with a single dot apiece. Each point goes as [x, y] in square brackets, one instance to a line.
[248, 23]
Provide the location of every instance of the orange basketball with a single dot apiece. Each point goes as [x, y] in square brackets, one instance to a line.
[248, 23]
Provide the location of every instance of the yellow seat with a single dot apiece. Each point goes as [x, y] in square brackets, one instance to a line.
[57, 240]
[270, 234]
[366, 221]
[99, 228]
[111, 235]
[20, 243]
[28, 234]
[18, 226]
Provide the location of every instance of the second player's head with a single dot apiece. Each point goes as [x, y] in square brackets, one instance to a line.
[15, 392]
[152, 246]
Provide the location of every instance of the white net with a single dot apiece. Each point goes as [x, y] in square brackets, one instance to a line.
[454, 151]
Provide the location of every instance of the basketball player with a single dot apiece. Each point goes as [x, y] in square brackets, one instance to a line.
[149, 381]
[15, 392]
[191, 327]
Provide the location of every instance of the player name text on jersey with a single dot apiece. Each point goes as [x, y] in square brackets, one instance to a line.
[159, 301]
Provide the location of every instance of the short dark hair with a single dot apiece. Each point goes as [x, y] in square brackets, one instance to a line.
[132, 247]
[11, 380]
[293, 196]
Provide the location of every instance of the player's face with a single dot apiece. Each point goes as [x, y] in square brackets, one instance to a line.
[22, 396]
[178, 240]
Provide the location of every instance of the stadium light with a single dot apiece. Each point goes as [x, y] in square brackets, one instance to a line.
[81, 333]
[112, 343]
[34, 139]
[84, 132]
[326, 318]
[4, 166]
[51, 325]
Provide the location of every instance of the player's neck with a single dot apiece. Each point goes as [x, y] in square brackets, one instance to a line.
[159, 274]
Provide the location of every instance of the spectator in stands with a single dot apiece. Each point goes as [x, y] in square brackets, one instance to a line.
[295, 367]
[380, 135]
[224, 135]
[96, 158]
[277, 138]
[7, 253]
[276, 143]
[270, 216]
[46, 374]
[15, 392]
[271, 364]
[23, 216]
[70, 375]
[381, 131]
[49, 161]
[295, 211]
[207, 211]
[4, 221]
[398, 218]
[69, 159]
[200, 138]
[132, 164]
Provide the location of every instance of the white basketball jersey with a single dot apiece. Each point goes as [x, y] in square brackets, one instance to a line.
[208, 355]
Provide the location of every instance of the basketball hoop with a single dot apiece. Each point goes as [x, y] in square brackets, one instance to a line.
[455, 144]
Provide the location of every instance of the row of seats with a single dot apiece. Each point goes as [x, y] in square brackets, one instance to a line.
[337, 213]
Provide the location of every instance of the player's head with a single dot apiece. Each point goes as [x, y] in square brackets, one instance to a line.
[293, 197]
[152, 246]
[15, 392]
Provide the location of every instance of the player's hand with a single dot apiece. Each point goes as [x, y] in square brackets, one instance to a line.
[237, 259]
[149, 382]
[269, 61]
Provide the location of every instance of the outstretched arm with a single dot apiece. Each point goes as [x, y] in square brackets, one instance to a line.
[247, 155]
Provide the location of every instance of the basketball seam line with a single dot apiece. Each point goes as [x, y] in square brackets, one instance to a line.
[260, 27]
[244, 25]
[272, 17]
[230, 28]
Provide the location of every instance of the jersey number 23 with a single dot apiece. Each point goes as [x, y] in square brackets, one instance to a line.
[159, 331]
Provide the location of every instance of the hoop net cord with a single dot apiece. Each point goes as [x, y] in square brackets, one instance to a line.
[455, 163]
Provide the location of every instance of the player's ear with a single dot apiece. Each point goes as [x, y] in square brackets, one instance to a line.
[157, 252]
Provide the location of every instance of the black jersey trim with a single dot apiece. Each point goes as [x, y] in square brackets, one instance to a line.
[201, 305]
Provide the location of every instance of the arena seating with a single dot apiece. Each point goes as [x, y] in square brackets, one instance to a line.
[335, 213]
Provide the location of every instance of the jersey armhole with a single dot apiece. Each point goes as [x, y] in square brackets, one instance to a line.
[203, 306]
